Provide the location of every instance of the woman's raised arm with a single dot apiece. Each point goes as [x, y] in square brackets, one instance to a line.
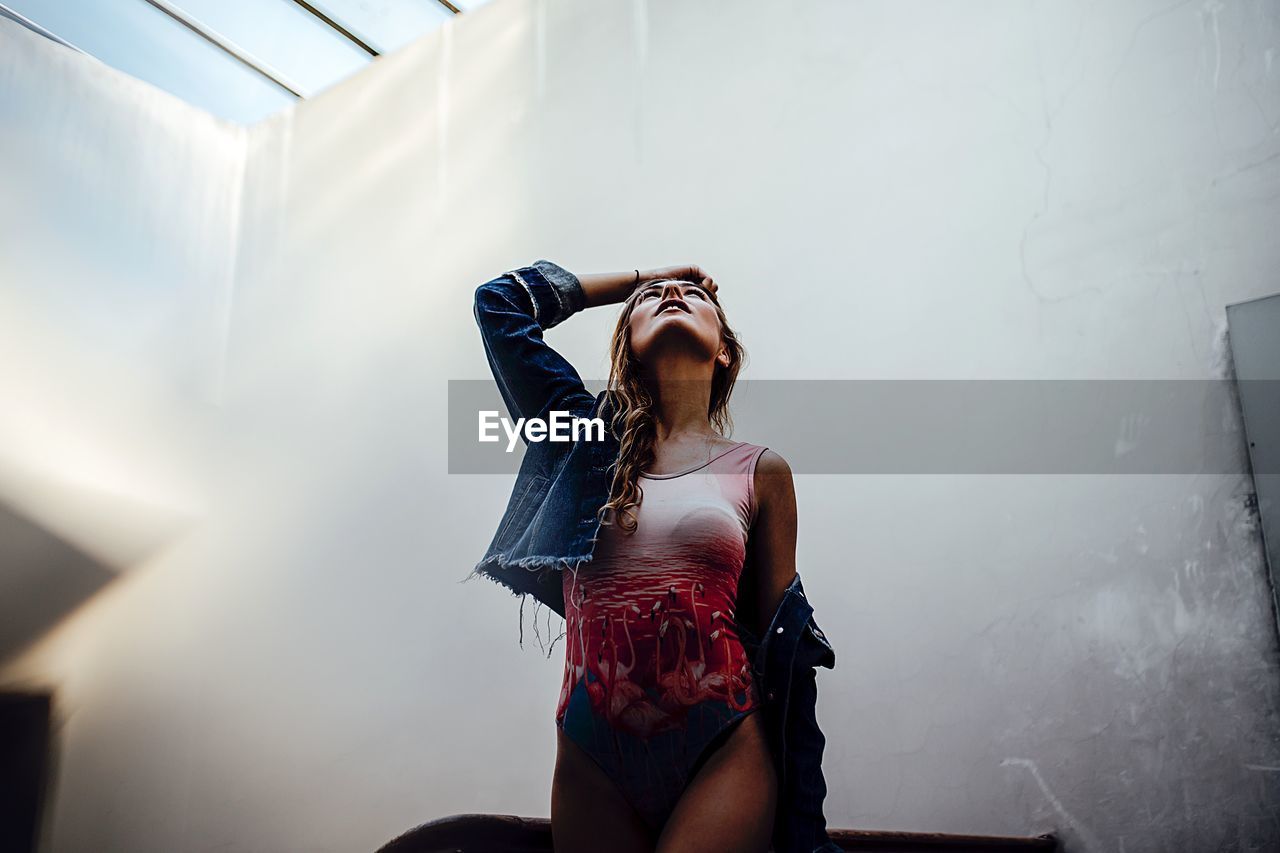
[607, 288]
[512, 311]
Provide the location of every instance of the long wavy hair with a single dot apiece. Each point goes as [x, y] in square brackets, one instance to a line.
[634, 419]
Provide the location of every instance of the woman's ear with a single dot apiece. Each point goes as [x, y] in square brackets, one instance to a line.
[722, 358]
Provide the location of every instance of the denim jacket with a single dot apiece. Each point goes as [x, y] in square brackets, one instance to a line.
[550, 524]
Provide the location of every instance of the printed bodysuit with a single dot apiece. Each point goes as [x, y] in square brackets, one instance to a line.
[655, 673]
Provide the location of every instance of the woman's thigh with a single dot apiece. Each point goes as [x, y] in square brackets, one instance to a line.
[729, 805]
[588, 812]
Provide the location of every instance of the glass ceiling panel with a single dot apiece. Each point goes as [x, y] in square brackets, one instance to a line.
[386, 24]
[284, 36]
[142, 41]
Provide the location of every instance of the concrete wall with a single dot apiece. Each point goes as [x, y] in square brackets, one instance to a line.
[885, 190]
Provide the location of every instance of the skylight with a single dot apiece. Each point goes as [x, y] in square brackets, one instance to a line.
[241, 60]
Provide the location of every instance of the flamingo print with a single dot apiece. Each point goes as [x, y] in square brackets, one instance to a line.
[725, 683]
[679, 687]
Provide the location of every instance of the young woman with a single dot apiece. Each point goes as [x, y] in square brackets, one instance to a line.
[661, 743]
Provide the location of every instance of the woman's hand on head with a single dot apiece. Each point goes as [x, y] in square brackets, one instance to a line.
[687, 272]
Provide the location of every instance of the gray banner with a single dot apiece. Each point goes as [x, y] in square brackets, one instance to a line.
[1059, 426]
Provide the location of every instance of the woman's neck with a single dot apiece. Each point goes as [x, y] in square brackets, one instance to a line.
[681, 390]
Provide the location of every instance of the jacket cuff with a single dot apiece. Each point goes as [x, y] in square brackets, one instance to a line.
[567, 289]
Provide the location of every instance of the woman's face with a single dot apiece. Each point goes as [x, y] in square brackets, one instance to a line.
[676, 314]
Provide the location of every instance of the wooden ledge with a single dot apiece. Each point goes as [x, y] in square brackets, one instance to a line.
[490, 833]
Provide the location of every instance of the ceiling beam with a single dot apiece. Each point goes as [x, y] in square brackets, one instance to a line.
[16, 17]
[343, 31]
[227, 46]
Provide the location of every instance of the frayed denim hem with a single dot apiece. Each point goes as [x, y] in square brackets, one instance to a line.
[537, 564]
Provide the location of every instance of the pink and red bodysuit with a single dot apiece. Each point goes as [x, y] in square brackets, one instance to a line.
[655, 673]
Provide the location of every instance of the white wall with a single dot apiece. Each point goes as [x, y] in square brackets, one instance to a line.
[991, 190]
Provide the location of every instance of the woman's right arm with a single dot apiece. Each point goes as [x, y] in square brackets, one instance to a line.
[514, 309]
[607, 288]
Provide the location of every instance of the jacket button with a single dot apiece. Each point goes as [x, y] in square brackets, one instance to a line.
[769, 695]
[779, 629]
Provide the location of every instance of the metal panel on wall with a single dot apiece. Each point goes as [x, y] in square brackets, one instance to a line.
[1255, 348]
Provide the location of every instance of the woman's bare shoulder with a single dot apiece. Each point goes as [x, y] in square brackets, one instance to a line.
[773, 463]
[774, 485]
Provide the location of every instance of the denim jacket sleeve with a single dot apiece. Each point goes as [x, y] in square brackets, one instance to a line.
[803, 826]
[786, 659]
[512, 311]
